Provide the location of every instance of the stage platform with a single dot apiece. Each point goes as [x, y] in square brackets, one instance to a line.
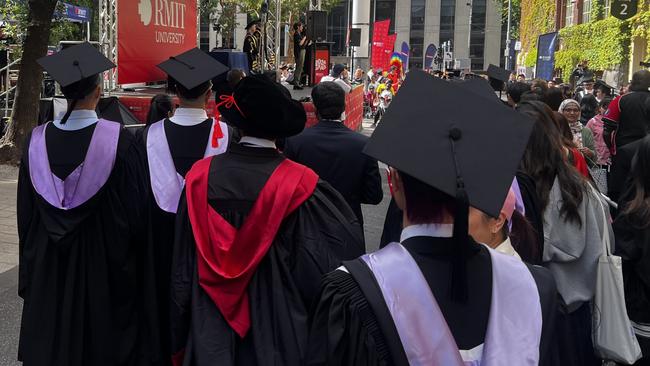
[137, 101]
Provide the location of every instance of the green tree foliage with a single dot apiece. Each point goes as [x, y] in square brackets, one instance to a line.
[515, 16]
[16, 13]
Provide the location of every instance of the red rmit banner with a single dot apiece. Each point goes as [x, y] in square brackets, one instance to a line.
[148, 33]
[388, 51]
[379, 40]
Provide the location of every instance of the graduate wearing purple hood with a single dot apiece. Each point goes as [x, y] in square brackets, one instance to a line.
[81, 218]
[438, 297]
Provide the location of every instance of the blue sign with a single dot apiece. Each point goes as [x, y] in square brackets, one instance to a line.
[546, 46]
[429, 55]
[74, 13]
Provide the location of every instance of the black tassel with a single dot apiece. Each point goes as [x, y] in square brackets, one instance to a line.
[71, 107]
[459, 261]
[459, 292]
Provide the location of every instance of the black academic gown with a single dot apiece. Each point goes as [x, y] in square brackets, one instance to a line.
[80, 271]
[161, 224]
[312, 241]
[354, 327]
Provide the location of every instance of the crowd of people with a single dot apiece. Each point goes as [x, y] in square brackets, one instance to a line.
[240, 241]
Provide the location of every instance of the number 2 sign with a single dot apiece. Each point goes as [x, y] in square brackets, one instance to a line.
[624, 9]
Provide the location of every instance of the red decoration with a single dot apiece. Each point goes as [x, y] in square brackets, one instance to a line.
[148, 32]
[217, 133]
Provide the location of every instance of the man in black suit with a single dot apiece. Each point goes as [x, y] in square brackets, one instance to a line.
[334, 152]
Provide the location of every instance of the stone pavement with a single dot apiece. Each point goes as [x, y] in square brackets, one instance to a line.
[11, 304]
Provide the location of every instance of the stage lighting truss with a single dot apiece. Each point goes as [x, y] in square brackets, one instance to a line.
[272, 31]
[108, 39]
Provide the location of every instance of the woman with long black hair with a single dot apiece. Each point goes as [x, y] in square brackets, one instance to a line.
[161, 107]
[632, 230]
[572, 221]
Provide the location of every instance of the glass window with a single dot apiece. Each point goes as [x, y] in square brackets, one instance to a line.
[416, 39]
[586, 11]
[447, 19]
[477, 36]
[385, 9]
[205, 43]
[337, 27]
[568, 20]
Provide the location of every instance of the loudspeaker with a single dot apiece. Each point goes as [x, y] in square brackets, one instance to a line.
[317, 25]
[355, 37]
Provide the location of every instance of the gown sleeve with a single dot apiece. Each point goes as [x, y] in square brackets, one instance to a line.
[344, 330]
[25, 210]
[183, 268]
[324, 232]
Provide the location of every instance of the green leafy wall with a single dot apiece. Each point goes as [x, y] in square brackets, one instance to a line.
[604, 43]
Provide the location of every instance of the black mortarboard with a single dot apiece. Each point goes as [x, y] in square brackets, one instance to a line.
[76, 69]
[478, 86]
[252, 23]
[192, 68]
[499, 73]
[75, 63]
[586, 77]
[471, 152]
[498, 77]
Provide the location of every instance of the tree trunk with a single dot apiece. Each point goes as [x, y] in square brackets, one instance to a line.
[24, 115]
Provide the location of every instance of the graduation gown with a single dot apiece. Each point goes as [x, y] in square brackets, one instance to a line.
[168, 158]
[80, 226]
[311, 241]
[353, 326]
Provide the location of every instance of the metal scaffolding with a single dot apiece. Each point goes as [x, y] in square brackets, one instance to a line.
[272, 31]
[108, 39]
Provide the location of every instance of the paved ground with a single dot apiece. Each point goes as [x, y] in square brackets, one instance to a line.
[11, 304]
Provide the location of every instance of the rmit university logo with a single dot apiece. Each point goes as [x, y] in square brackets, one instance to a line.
[166, 13]
[144, 9]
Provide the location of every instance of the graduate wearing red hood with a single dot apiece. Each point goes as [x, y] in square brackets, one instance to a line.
[254, 234]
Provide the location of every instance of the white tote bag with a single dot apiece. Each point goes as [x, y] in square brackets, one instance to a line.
[613, 334]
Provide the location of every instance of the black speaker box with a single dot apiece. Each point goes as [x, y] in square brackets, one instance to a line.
[355, 37]
[317, 25]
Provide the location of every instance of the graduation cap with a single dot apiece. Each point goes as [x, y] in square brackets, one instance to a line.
[192, 68]
[470, 153]
[587, 77]
[252, 23]
[498, 76]
[478, 86]
[76, 69]
[602, 84]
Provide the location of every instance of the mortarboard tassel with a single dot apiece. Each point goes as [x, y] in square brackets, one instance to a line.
[72, 105]
[217, 133]
[460, 236]
[69, 111]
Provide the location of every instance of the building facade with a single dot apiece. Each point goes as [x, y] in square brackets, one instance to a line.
[423, 22]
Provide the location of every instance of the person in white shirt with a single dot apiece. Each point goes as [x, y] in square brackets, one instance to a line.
[336, 75]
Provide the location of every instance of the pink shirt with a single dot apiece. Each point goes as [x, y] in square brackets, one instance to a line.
[596, 126]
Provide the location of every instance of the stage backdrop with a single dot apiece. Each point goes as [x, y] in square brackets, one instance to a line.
[149, 32]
